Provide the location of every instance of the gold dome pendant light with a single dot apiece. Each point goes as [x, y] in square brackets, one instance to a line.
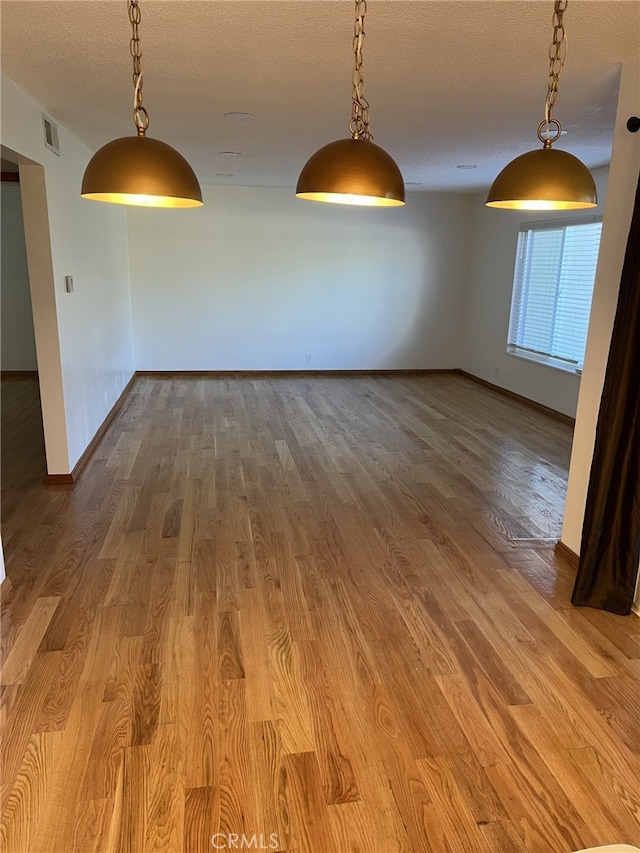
[546, 179]
[355, 170]
[135, 169]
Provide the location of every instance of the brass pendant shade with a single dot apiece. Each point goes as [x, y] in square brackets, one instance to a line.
[544, 179]
[141, 171]
[135, 169]
[352, 171]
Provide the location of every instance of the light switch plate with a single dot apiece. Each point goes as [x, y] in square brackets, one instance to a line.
[68, 283]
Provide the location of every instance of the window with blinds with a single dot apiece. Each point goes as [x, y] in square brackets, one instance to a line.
[552, 290]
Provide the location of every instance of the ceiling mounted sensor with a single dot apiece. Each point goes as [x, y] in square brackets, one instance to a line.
[546, 179]
[355, 170]
[138, 170]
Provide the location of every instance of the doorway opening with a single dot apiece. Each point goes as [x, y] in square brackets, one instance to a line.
[22, 448]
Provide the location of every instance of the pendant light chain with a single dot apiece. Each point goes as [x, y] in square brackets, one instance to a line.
[138, 170]
[557, 57]
[547, 178]
[359, 124]
[353, 170]
[140, 115]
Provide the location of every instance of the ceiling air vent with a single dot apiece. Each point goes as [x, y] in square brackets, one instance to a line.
[51, 140]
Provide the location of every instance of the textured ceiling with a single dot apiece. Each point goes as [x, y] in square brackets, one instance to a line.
[449, 82]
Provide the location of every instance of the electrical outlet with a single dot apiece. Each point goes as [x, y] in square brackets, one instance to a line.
[308, 358]
[496, 373]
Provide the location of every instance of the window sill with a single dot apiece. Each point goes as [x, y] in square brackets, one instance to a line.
[547, 361]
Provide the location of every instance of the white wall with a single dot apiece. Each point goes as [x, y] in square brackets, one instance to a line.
[623, 179]
[18, 341]
[488, 304]
[84, 339]
[257, 278]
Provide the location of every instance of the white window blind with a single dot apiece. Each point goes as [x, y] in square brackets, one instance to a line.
[552, 290]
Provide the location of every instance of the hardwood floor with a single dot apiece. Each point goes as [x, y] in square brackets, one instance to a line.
[324, 614]
[22, 447]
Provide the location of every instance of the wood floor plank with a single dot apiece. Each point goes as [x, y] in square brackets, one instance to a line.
[607, 774]
[234, 796]
[166, 810]
[310, 821]
[290, 698]
[503, 837]
[59, 818]
[322, 612]
[355, 828]
[460, 826]
[477, 728]
[23, 716]
[253, 632]
[338, 780]
[595, 660]
[104, 765]
[273, 815]
[17, 663]
[202, 760]
[23, 808]
[603, 819]
[545, 822]
[418, 812]
[91, 831]
[198, 825]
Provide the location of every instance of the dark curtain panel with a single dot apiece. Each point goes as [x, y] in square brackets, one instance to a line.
[610, 546]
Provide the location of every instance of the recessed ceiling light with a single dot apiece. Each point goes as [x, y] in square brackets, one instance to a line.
[230, 153]
[238, 116]
[466, 166]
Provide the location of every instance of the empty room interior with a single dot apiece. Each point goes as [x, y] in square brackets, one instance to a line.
[320, 522]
